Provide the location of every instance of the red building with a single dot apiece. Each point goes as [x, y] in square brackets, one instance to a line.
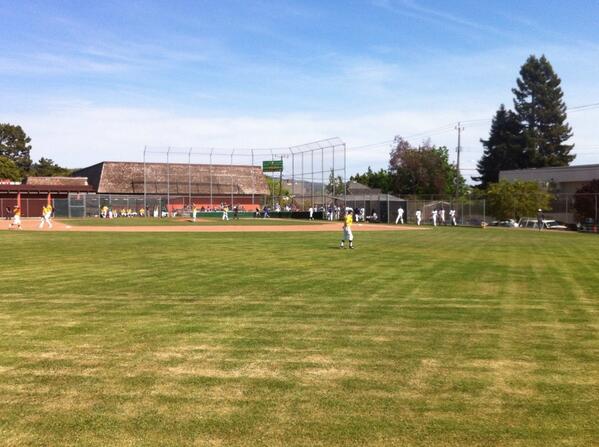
[36, 192]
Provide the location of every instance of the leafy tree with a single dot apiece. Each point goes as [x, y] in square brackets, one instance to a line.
[8, 169]
[276, 189]
[381, 179]
[541, 110]
[423, 170]
[505, 148]
[585, 202]
[46, 167]
[506, 200]
[14, 144]
[335, 185]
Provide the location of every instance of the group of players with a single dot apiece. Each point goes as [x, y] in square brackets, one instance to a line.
[348, 220]
[46, 217]
[438, 217]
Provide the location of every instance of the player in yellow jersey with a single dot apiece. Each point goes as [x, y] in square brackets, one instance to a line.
[348, 220]
[16, 218]
[46, 216]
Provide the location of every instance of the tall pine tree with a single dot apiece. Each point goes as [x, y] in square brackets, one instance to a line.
[541, 110]
[505, 148]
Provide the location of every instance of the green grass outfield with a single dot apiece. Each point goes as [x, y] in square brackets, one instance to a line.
[451, 337]
[180, 221]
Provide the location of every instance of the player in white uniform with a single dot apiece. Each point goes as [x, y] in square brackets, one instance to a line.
[399, 216]
[311, 212]
[434, 218]
[452, 217]
[347, 233]
[442, 214]
[194, 213]
[418, 217]
[226, 213]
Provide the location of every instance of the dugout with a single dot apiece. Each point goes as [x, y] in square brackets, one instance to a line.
[36, 192]
[372, 200]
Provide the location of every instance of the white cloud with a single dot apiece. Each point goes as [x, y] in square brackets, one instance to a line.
[79, 134]
[82, 134]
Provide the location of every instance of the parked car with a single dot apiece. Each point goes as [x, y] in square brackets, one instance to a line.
[510, 223]
[548, 224]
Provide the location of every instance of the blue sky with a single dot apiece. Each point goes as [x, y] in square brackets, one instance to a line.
[99, 80]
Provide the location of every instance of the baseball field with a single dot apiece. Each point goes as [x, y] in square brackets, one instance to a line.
[446, 337]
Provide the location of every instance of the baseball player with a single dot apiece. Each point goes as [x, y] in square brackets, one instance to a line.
[399, 216]
[226, 213]
[442, 214]
[452, 217]
[16, 218]
[194, 213]
[418, 217]
[434, 218]
[347, 234]
[46, 216]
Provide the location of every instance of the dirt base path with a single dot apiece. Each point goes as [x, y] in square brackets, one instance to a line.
[33, 225]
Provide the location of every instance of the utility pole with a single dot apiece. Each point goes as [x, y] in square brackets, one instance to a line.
[459, 128]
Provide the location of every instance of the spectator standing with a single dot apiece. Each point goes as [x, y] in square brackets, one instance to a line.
[540, 219]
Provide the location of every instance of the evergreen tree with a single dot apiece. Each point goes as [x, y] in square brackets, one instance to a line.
[8, 169]
[14, 144]
[46, 167]
[504, 149]
[541, 110]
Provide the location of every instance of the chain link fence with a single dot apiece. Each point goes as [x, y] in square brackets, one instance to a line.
[565, 208]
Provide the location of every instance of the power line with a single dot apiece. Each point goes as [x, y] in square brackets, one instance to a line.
[584, 107]
[451, 126]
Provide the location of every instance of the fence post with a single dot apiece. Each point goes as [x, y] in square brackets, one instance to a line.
[232, 178]
[388, 208]
[168, 182]
[211, 197]
[145, 179]
[322, 175]
[484, 210]
[189, 176]
[253, 180]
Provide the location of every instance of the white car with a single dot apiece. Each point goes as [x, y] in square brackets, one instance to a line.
[548, 224]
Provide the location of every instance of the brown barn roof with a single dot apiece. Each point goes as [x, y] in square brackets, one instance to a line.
[128, 178]
[57, 181]
[44, 189]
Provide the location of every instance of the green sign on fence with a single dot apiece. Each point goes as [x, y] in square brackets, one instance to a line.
[272, 166]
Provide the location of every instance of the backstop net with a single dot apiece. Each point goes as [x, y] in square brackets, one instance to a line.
[291, 178]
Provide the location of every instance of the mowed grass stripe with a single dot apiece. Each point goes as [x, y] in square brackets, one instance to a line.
[185, 221]
[445, 337]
